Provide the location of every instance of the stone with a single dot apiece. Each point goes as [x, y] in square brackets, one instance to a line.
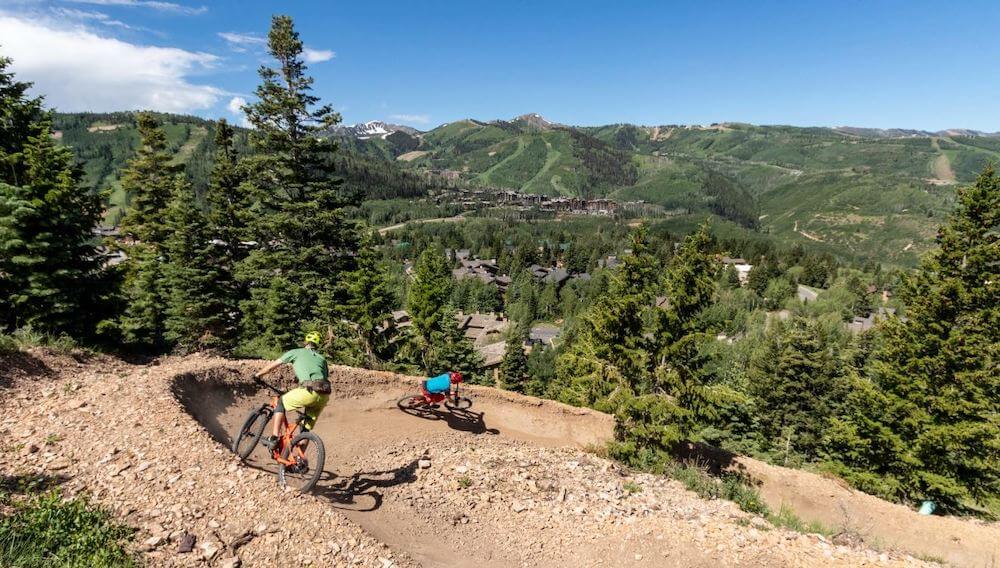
[461, 470]
[59, 464]
[518, 507]
[232, 562]
[424, 464]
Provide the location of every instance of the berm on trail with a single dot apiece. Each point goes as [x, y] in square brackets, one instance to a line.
[508, 483]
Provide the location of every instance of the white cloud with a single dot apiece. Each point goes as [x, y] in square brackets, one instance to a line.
[152, 4]
[78, 70]
[317, 55]
[241, 39]
[418, 118]
[236, 105]
[98, 17]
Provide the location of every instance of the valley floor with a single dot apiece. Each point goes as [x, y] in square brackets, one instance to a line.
[505, 485]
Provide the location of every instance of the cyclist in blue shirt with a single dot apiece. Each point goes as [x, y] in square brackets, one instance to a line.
[435, 389]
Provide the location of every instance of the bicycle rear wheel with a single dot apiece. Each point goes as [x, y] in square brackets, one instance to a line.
[249, 434]
[415, 405]
[308, 466]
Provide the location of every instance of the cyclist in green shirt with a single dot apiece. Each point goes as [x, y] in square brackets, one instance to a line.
[314, 387]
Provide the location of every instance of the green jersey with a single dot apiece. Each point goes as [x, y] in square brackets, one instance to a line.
[309, 365]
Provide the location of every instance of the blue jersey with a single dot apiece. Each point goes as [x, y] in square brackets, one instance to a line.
[439, 384]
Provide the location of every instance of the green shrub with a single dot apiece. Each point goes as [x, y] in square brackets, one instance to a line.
[28, 337]
[45, 531]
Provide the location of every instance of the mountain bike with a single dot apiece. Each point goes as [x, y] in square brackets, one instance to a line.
[299, 453]
[426, 406]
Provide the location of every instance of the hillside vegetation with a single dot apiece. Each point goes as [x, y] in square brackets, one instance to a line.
[858, 192]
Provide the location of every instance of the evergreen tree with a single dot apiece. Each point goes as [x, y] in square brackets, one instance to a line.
[50, 272]
[304, 247]
[931, 425]
[370, 305]
[429, 294]
[449, 350]
[19, 118]
[795, 380]
[228, 205]
[514, 374]
[196, 306]
[149, 182]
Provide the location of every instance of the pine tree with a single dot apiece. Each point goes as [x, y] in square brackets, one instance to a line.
[449, 350]
[19, 117]
[928, 423]
[149, 182]
[196, 307]
[429, 293]
[514, 374]
[795, 380]
[228, 207]
[370, 305]
[50, 272]
[296, 274]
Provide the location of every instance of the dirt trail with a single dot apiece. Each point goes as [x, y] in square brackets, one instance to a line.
[506, 484]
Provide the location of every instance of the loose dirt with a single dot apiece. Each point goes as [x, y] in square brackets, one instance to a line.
[507, 483]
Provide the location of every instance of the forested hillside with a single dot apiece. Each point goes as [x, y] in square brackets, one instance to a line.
[104, 142]
[857, 192]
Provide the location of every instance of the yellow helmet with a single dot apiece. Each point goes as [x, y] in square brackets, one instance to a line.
[313, 337]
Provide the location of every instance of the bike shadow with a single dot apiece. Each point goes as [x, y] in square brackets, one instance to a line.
[363, 485]
[457, 419]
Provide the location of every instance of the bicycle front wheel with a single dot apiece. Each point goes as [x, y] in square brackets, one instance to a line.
[308, 454]
[249, 434]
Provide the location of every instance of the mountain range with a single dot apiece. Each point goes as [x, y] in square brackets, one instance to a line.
[876, 193]
[854, 191]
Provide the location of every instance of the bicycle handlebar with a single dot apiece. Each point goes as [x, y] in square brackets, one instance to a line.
[261, 381]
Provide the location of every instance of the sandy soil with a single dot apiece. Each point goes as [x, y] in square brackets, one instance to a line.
[505, 484]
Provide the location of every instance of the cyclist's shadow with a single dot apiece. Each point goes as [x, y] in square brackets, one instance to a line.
[348, 490]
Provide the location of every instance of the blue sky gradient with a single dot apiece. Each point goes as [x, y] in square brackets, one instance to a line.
[914, 64]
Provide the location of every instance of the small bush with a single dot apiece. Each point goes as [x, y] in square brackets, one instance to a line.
[786, 518]
[631, 487]
[45, 530]
[27, 337]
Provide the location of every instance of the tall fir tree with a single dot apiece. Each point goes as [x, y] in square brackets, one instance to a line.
[928, 422]
[796, 380]
[196, 306]
[429, 294]
[228, 204]
[370, 305]
[296, 273]
[514, 373]
[50, 271]
[148, 182]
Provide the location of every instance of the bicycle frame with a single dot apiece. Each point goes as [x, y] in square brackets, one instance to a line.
[286, 438]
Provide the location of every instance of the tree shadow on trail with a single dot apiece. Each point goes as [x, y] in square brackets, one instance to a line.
[361, 486]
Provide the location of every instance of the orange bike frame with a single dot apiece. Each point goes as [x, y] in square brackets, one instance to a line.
[286, 438]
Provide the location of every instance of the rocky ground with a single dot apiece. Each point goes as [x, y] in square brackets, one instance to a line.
[400, 491]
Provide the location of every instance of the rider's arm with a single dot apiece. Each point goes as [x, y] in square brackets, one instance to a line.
[270, 367]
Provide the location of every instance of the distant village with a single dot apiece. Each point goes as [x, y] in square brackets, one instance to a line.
[471, 199]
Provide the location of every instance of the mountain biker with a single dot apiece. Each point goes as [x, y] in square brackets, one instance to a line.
[312, 393]
[436, 388]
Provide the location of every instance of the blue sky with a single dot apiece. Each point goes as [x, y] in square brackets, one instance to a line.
[886, 63]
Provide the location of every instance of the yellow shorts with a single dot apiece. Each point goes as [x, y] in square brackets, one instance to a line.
[308, 403]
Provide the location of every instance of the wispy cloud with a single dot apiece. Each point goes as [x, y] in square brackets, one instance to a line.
[151, 4]
[85, 16]
[317, 55]
[236, 105]
[237, 38]
[80, 70]
[417, 118]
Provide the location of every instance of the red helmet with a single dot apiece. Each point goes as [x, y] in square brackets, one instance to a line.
[456, 377]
